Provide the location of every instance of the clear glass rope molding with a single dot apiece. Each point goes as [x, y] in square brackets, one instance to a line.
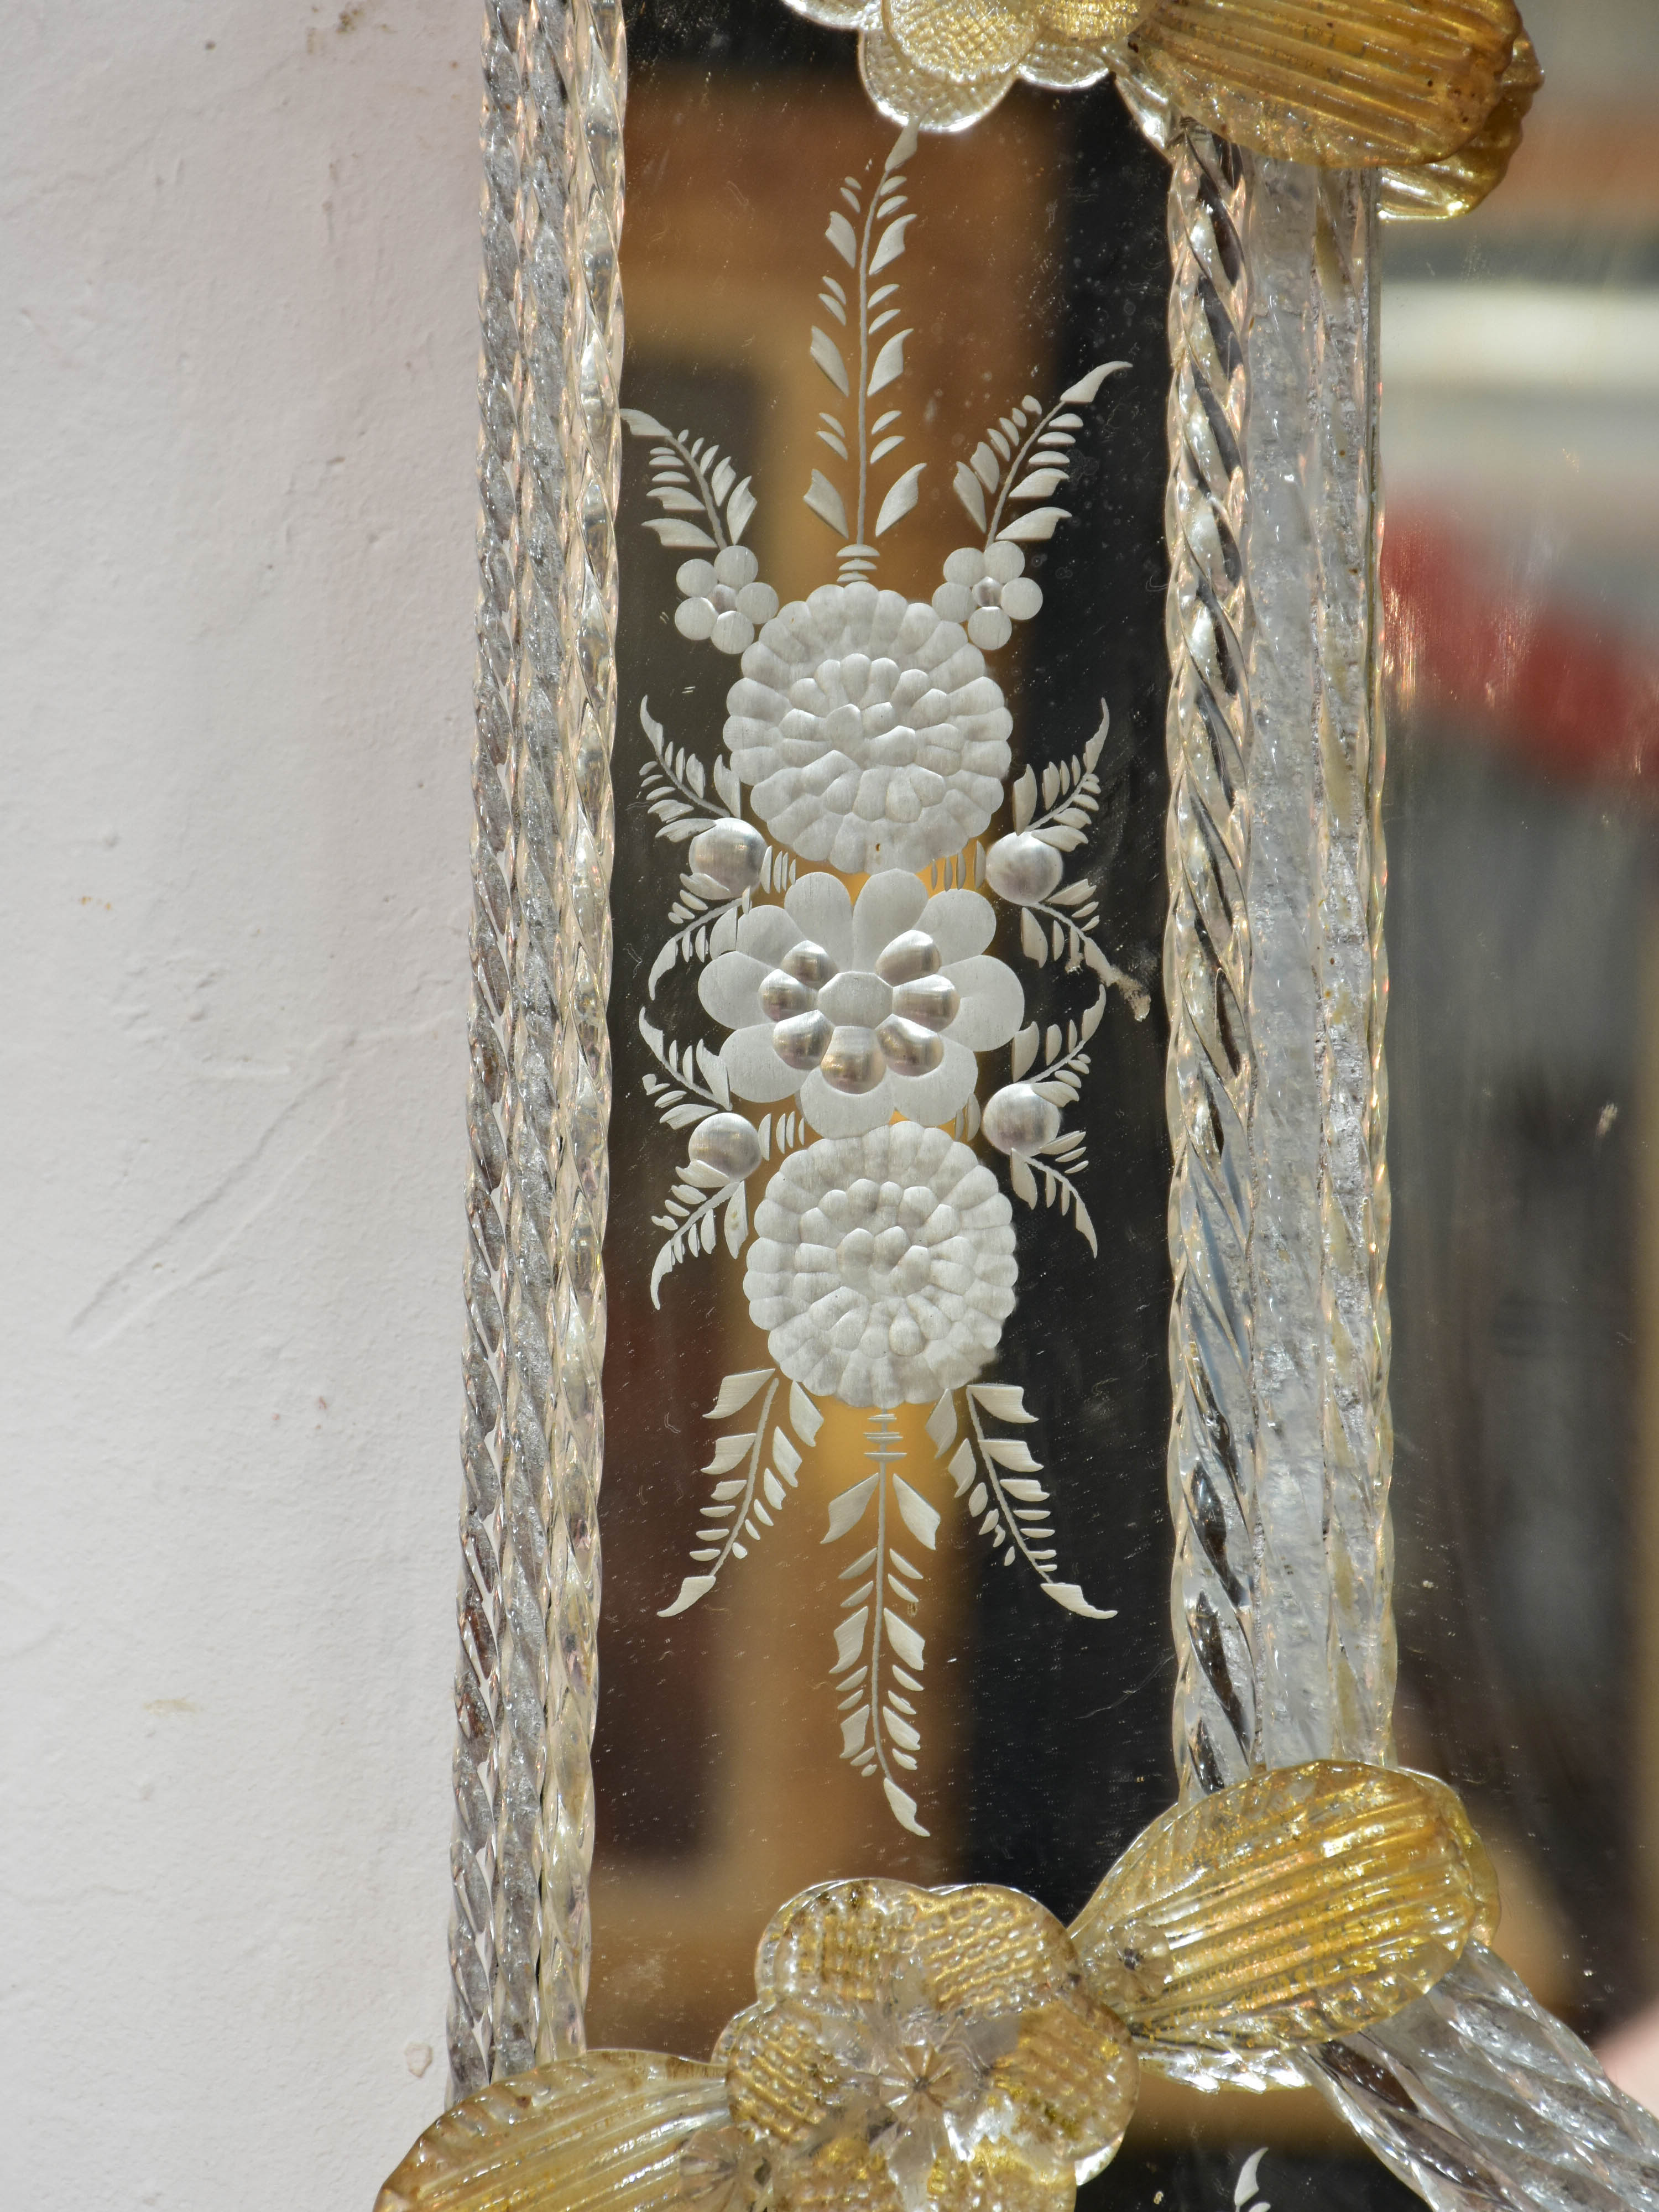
[1473, 2096]
[1274, 969]
[538, 1097]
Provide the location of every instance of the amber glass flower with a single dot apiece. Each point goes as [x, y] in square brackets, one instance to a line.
[958, 2050]
[917, 2048]
[1431, 92]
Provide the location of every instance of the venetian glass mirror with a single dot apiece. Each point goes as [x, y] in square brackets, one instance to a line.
[1058, 1502]
[992, 659]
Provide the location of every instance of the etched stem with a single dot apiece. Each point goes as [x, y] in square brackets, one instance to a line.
[1277, 985]
[473, 1851]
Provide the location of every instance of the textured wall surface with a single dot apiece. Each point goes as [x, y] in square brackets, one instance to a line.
[239, 262]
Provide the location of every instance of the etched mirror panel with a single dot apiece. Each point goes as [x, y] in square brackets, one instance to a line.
[886, 1434]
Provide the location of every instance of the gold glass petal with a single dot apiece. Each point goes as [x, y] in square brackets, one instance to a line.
[1071, 2079]
[787, 2069]
[840, 1943]
[845, 2175]
[904, 94]
[1057, 65]
[838, 14]
[1091, 18]
[1299, 1905]
[1462, 179]
[997, 2179]
[962, 39]
[986, 1952]
[1340, 83]
[599, 2134]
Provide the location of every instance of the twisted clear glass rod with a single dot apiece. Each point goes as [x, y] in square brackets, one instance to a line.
[1277, 985]
[538, 1100]
[483, 1435]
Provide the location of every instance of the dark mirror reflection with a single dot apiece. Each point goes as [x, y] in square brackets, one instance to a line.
[1522, 577]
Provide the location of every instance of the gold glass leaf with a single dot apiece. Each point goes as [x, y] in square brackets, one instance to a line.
[600, 2134]
[962, 42]
[1462, 179]
[905, 93]
[1339, 83]
[1294, 1907]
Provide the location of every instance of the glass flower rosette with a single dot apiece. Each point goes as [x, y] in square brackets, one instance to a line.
[912, 2048]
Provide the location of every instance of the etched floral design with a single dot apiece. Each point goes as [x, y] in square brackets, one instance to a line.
[865, 1010]
[926, 2051]
[988, 592]
[883, 1266]
[869, 729]
[721, 600]
[866, 738]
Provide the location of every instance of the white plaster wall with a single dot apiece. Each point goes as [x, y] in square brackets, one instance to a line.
[237, 277]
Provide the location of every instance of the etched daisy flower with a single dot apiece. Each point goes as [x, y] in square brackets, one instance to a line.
[988, 592]
[870, 730]
[883, 1266]
[721, 600]
[865, 1010]
[926, 2051]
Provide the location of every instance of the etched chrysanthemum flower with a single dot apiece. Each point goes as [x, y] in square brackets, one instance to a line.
[721, 600]
[870, 730]
[883, 1266]
[865, 1010]
[987, 590]
[926, 2051]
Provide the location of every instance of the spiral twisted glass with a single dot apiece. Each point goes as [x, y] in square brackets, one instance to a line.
[483, 1436]
[1274, 969]
[539, 1097]
[591, 64]
[1207, 972]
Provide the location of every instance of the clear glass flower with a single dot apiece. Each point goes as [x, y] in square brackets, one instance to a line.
[917, 2050]
[883, 1266]
[722, 601]
[870, 730]
[988, 592]
[863, 1010]
[942, 64]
